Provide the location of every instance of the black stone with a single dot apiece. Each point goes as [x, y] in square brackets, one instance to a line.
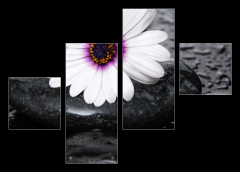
[94, 147]
[189, 80]
[35, 99]
[82, 116]
[152, 106]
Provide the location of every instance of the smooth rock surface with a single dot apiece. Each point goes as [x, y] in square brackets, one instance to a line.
[35, 99]
[152, 106]
[95, 147]
[81, 116]
[189, 80]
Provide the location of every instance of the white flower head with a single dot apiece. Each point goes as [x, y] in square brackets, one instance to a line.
[141, 51]
[91, 68]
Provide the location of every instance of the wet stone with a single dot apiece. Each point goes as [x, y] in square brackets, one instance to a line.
[189, 80]
[152, 106]
[214, 66]
[81, 116]
[93, 147]
[34, 99]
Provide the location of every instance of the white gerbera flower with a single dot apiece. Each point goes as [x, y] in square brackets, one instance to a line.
[91, 68]
[141, 51]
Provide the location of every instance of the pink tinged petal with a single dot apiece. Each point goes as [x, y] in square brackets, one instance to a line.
[145, 65]
[137, 75]
[142, 24]
[100, 98]
[107, 89]
[91, 92]
[147, 38]
[73, 72]
[155, 52]
[112, 76]
[131, 18]
[128, 89]
[82, 81]
[77, 45]
[73, 54]
[55, 82]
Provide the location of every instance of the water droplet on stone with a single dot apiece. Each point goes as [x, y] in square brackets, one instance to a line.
[203, 75]
[209, 85]
[211, 66]
[203, 52]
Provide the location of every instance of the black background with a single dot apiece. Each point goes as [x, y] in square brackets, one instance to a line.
[38, 50]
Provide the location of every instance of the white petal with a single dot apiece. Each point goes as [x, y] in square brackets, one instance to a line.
[73, 54]
[82, 81]
[92, 90]
[128, 89]
[142, 24]
[131, 18]
[100, 98]
[112, 76]
[74, 71]
[126, 13]
[77, 45]
[145, 65]
[107, 89]
[55, 82]
[73, 63]
[146, 38]
[155, 52]
[137, 75]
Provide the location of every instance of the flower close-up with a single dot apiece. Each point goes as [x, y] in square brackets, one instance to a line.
[91, 68]
[141, 50]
